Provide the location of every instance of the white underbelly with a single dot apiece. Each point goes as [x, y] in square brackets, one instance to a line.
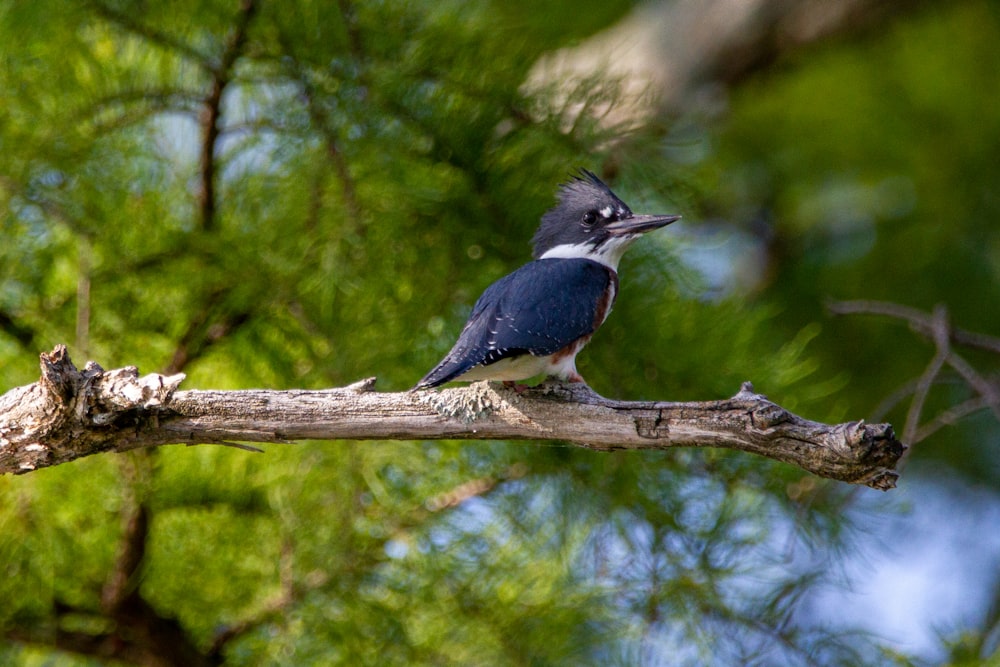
[560, 365]
[512, 369]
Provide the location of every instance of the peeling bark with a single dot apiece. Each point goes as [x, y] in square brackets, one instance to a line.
[70, 413]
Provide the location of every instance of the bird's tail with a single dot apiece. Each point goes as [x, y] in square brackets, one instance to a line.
[444, 372]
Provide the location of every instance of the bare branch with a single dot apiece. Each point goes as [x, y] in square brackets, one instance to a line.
[936, 327]
[985, 388]
[941, 332]
[69, 413]
[919, 321]
[950, 417]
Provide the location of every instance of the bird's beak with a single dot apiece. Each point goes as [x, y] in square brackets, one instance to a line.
[640, 224]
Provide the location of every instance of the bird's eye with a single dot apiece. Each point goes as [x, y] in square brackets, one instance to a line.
[589, 218]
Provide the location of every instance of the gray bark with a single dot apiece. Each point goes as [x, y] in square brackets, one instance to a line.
[70, 413]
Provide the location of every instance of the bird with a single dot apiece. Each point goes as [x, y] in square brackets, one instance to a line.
[538, 318]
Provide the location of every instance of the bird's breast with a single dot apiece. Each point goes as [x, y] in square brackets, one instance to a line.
[606, 300]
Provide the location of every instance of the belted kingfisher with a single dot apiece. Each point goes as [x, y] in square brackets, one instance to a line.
[536, 319]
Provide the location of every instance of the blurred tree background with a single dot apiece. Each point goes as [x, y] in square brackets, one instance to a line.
[303, 194]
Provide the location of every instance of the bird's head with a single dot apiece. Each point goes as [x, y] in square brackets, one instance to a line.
[591, 222]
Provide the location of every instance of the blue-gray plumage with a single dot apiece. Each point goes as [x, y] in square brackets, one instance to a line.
[520, 314]
[536, 319]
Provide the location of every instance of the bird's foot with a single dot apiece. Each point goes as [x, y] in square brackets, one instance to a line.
[517, 387]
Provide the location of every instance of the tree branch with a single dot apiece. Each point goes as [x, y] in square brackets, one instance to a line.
[941, 335]
[70, 413]
[323, 123]
[131, 24]
[938, 329]
[919, 321]
[212, 324]
[212, 112]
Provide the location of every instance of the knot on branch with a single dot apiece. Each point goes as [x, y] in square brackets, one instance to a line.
[763, 413]
[109, 394]
[767, 415]
[100, 396]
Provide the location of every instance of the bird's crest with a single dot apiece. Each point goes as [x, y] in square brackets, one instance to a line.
[584, 193]
[585, 189]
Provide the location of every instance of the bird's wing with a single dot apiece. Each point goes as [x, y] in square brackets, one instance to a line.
[538, 309]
